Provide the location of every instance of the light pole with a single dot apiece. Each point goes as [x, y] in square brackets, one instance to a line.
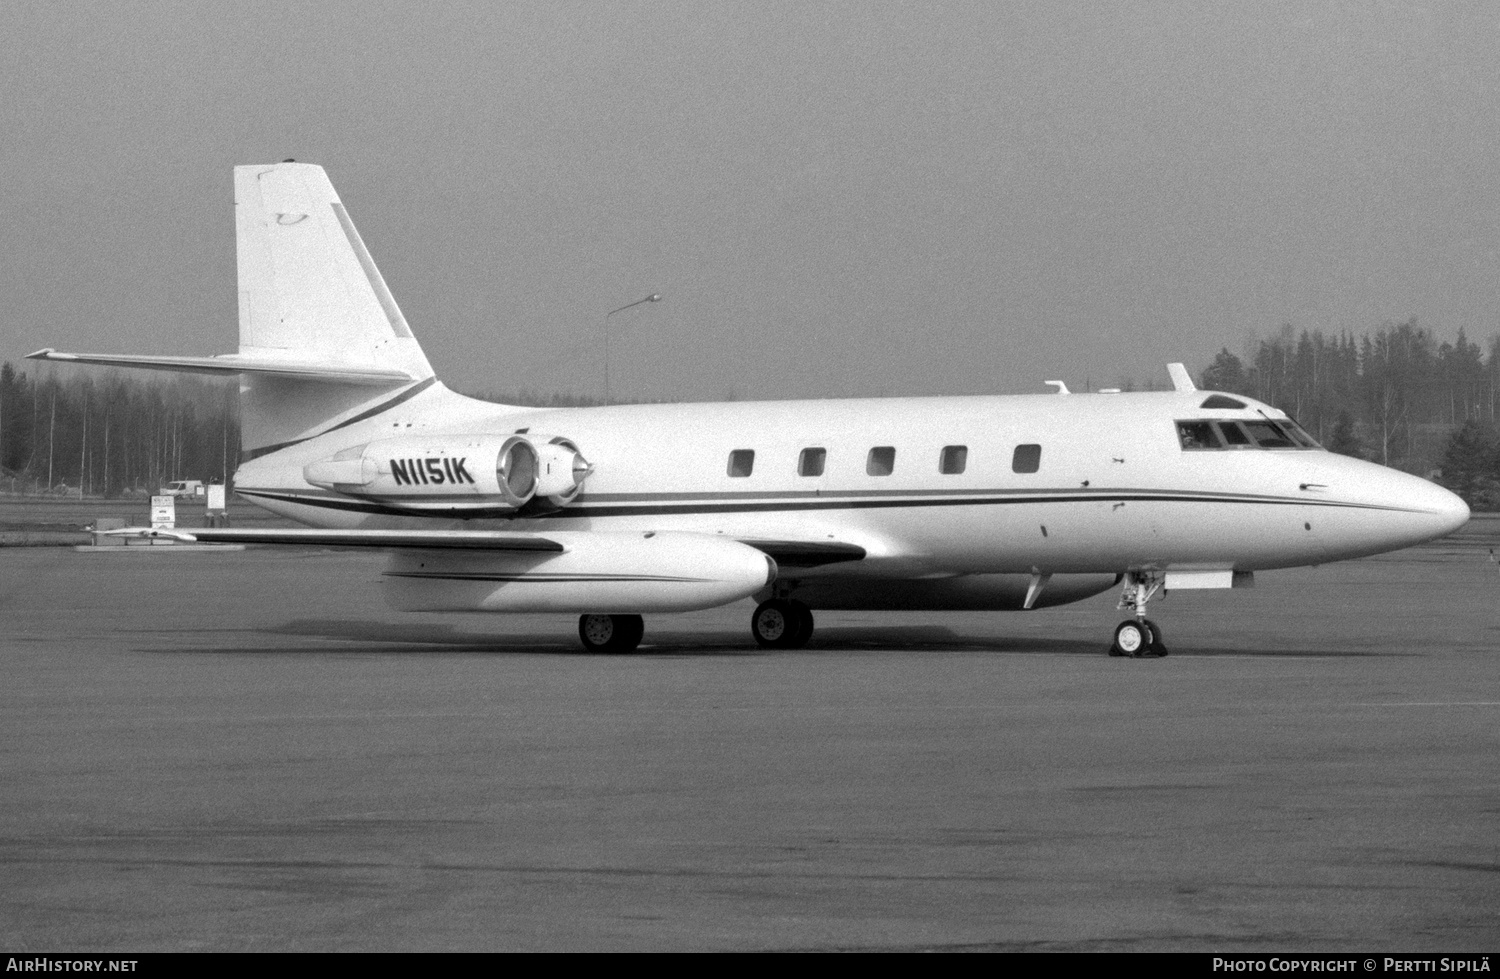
[655, 297]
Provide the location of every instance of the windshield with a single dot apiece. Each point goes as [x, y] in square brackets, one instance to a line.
[1261, 433]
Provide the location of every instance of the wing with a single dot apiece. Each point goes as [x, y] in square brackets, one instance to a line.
[806, 554]
[477, 540]
[786, 553]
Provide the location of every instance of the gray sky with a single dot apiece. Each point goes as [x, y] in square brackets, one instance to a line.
[835, 198]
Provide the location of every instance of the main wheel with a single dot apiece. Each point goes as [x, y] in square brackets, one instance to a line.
[610, 633]
[775, 624]
[1158, 648]
[804, 624]
[1132, 638]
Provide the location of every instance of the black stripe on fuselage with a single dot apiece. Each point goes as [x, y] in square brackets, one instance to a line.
[582, 508]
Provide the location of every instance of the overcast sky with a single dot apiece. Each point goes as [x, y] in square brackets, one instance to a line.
[833, 198]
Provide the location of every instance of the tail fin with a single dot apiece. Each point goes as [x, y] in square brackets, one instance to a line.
[309, 291]
[307, 285]
[322, 343]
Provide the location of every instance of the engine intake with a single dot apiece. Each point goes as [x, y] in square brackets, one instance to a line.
[456, 473]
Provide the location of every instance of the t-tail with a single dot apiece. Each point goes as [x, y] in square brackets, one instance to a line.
[322, 343]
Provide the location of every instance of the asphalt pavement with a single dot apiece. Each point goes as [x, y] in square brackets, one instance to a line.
[248, 751]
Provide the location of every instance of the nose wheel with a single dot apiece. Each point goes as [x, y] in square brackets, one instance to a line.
[781, 623]
[1139, 636]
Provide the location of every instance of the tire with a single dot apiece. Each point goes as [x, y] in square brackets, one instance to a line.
[1131, 639]
[610, 633]
[1158, 648]
[775, 624]
[804, 624]
[632, 627]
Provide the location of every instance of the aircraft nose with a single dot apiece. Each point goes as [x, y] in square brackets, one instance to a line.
[1449, 511]
[1392, 509]
[1436, 511]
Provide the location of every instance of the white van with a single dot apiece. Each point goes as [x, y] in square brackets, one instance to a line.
[183, 487]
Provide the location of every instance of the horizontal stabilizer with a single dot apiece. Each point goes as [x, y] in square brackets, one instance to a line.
[237, 364]
[474, 540]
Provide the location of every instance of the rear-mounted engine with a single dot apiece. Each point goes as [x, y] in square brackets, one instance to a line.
[463, 473]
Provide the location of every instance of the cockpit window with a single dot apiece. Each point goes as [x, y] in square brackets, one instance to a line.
[1299, 433]
[1258, 434]
[1197, 435]
[1233, 434]
[1220, 401]
[1268, 435]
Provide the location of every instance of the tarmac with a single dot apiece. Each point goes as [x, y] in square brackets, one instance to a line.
[248, 751]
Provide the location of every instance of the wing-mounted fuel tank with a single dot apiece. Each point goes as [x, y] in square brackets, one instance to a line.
[457, 473]
[597, 571]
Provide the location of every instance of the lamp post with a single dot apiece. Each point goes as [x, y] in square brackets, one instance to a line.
[655, 297]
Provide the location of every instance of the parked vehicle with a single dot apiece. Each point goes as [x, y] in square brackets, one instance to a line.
[183, 487]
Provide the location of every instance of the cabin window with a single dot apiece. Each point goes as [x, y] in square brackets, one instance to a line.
[1197, 435]
[741, 462]
[954, 459]
[881, 461]
[810, 462]
[1027, 459]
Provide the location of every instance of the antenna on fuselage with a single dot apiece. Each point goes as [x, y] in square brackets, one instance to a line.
[1181, 379]
[1062, 388]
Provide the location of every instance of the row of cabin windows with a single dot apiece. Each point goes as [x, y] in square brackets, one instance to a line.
[881, 460]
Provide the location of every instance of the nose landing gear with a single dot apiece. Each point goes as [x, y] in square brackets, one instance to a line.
[1139, 636]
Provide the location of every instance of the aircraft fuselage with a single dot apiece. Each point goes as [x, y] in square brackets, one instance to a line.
[1105, 482]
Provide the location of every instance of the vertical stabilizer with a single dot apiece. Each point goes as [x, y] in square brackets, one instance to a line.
[307, 285]
[309, 291]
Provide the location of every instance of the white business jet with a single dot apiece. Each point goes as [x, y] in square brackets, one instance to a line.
[1016, 502]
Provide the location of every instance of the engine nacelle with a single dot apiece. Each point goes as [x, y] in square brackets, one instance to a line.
[465, 473]
[560, 469]
[603, 572]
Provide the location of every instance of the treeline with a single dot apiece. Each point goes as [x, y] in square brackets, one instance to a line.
[1471, 465]
[539, 399]
[82, 432]
[1395, 396]
[559, 399]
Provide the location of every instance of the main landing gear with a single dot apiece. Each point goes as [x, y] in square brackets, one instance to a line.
[782, 623]
[610, 633]
[1139, 636]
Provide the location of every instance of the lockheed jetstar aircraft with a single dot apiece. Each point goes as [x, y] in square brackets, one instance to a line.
[1003, 502]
